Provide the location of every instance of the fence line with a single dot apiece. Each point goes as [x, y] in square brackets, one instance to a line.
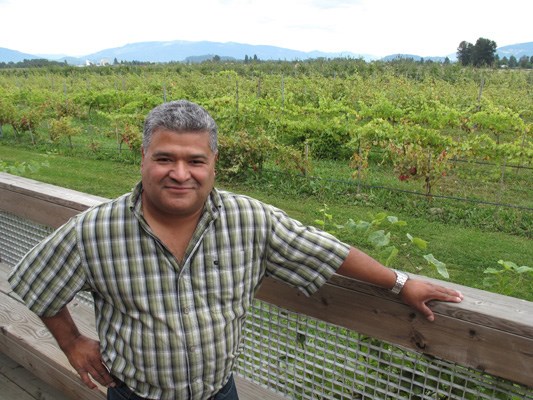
[355, 183]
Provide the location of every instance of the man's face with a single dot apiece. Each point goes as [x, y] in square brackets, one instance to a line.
[178, 173]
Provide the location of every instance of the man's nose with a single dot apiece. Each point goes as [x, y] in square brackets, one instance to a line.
[180, 172]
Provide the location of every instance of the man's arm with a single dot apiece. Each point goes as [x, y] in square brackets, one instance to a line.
[82, 352]
[415, 293]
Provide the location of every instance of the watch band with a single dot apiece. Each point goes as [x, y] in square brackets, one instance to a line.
[401, 278]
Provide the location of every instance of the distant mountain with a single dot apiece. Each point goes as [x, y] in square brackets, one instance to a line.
[180, 50]
[517, 50]
[7, 55]
[413, 57]
[186, 51]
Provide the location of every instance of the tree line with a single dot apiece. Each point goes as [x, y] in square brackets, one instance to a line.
[483, 54]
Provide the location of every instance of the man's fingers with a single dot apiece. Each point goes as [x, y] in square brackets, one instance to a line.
[101, 375]
[84, 375]
[419, 293]
[447, 294]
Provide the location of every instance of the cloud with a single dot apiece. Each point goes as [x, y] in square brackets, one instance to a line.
[334, 3]
[379, 27]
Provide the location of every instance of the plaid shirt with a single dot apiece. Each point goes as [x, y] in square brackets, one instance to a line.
[170, 330]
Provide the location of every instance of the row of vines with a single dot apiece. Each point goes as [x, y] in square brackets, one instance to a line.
[420, 120]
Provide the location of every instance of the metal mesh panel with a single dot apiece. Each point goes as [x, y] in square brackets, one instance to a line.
[304, 358]
[18, 236]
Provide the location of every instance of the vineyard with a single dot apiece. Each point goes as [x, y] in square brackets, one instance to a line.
[445, 142]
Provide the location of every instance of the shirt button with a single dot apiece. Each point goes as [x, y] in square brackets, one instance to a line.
[192, 349]
[187, 310]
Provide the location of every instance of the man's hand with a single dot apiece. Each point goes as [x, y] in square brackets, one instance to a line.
[417, 293]
[82, 352]
[84, 355]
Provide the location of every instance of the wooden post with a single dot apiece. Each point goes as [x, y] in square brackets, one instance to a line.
[428, 177]
[502, 179]
[282, 92]
[480, 93]
[237, 96]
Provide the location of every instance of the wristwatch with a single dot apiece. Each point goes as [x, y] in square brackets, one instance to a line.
[401, 278]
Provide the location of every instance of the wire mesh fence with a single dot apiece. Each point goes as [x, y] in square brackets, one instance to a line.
[305, 358]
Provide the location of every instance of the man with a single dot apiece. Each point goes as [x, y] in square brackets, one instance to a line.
[173, 268]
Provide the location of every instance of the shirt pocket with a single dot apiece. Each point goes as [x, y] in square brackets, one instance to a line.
[231, 278]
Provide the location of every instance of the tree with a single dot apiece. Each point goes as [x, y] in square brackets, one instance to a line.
[504, 61]
[465, 53]
[478, 55]
[524, 62]
[513, 63]
[484, 52]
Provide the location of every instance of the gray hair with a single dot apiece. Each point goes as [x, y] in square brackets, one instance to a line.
[180, 116]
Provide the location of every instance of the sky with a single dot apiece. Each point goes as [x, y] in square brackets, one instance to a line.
[375, 27]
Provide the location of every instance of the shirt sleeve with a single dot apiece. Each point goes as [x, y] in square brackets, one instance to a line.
[302, 256]
[50, 275]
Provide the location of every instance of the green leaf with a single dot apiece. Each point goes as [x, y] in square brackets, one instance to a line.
[489, 281]
[319, 222]
[350, 224]
[362, 226]
[441, 267]
[378, 218]
[395, 221]
[392, 219]
[420, 243]
[493, 271]
[508, 265]
[379, 238]
[523, 269]
[389, 254]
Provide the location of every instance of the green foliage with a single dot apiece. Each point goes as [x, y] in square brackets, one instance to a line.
[483, 53]
[241, 154]
[63, 128]
[386, 235]
[504, 280]
[380, 121]
[22, 167]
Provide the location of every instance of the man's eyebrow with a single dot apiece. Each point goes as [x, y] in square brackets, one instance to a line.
[162, 154]
[169, 154]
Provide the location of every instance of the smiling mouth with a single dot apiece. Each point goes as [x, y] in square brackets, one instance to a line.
[179, 188]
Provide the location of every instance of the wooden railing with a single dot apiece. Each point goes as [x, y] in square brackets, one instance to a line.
[488, 332]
